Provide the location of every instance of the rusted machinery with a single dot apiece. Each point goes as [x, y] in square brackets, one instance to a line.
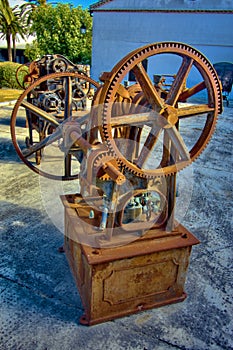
[225, 74]
[125, 248]
[59, 88]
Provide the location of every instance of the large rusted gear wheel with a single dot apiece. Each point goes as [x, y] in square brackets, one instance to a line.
[181, 118]
[39, 120]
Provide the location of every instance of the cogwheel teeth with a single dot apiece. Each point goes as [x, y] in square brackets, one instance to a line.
[119, 73]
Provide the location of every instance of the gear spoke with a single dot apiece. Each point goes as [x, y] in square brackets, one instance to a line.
[179, 81]
[178, 143]
[134, 119]
[189, 92]
[190, 111]
[40, 113]
[40, 145]
[147, 87]
[148, 146]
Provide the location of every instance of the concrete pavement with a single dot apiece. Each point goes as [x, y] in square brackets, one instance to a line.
[39, 303]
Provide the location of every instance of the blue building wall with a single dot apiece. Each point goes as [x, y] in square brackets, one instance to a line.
[122, 26]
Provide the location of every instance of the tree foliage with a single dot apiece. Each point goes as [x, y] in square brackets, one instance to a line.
[57, 30]
[8, 75]
[32, 51]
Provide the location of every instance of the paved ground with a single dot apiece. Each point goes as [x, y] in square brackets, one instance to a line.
[40, 305]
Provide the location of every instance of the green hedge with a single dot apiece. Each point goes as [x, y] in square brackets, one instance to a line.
[8, 75]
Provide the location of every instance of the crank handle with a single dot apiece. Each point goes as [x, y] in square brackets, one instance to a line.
[80, 141]
[114, 173]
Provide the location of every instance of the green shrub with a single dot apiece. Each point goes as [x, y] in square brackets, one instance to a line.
[8, 75]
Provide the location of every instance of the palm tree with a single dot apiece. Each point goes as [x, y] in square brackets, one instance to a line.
[12, 24]
[18, 28]
[6, 18]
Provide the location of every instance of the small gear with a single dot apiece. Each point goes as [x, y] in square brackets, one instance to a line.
[59, 65]
[99, 163]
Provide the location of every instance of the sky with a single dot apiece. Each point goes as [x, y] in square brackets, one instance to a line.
[83, 3]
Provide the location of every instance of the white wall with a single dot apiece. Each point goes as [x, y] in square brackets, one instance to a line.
[115, 34]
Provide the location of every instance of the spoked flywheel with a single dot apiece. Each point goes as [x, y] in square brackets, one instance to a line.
[40, 118]
[167, 122]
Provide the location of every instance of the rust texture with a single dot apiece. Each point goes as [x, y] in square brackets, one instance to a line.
[114, 282]
[125, 140]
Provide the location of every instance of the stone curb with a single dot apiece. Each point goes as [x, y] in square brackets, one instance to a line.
[7, 103]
